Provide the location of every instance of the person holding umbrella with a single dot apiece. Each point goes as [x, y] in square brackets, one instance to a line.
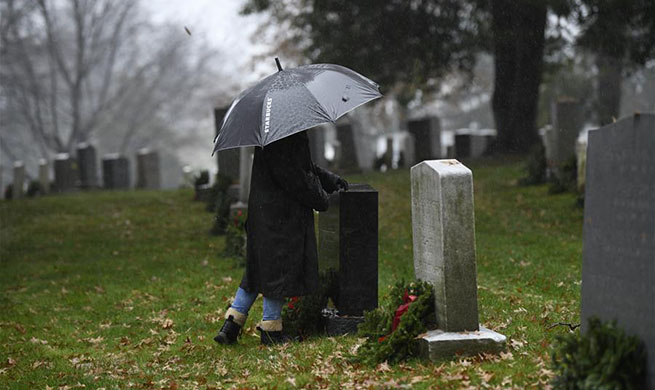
[286, 186]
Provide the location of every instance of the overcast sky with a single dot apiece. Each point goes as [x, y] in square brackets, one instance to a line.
[218, 21]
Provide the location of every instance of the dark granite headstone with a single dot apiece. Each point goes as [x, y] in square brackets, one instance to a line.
[116, 172]
[147, 169]
[66, 175]
[228, 160]
[618, 261]
[348, 157]
[427, 137]
[86, 160]
[358, 250]
[348, 245]
[328, 235]
[473, 143]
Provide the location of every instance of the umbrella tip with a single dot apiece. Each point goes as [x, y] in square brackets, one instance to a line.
[277, 62]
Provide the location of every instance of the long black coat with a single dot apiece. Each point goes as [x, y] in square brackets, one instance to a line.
[285, 186]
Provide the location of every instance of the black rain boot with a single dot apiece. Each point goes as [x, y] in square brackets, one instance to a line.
[231, 328]
[271, 333]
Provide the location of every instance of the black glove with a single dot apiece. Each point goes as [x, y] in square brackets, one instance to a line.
[341, 183]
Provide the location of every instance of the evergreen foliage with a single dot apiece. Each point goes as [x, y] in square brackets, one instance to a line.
[535, 166]
[604, 358]
[384, 345]
[236, 239]
[302, 316]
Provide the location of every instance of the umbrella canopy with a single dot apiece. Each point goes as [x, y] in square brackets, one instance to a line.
[290, 101]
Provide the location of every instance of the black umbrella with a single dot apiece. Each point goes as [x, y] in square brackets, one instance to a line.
[290, 101]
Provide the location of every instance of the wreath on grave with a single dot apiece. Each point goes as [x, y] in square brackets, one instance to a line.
[391, 330]
[303, 316]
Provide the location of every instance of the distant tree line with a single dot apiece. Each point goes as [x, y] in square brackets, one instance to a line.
[79, 70]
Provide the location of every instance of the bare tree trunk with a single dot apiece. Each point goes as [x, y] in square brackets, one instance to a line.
[609, 89]
[518, 28]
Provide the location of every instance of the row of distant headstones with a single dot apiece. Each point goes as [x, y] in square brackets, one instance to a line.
[81, 173]
[423, 140]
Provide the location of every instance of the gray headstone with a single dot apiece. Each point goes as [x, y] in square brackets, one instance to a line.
[618, 261]
[317, 145]
[147, 169]
[581, 163]
[66, 175]
[228, 160]
[116, 172]
[388, 154]
[245, 168]
[408, 150]
[86, 161]
[348, 244]
[348, 152]
[443, 227]
[444, 240]
[567, 117]
[427, 137]
[44, 175]
[19, 179]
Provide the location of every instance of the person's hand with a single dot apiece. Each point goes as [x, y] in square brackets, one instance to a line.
[342, 184]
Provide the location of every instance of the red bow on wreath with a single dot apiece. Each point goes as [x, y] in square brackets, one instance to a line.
[402, 309]
[292, 301]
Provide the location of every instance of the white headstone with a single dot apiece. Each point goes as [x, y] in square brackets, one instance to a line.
[444, 240]
[443, 225]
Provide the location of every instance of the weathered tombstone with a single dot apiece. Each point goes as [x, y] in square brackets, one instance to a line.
[443, 227]
[147, 169]
[19, 180]
[567, 117]
[348, 245]
[115, 172]
[317, 145]
[44, 176]
[86, 161]
[427, 137]
[618, 260]
[66, 176]
[228, 160]
[348, 152]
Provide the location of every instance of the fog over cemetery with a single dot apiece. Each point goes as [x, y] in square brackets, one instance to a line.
[478, 211]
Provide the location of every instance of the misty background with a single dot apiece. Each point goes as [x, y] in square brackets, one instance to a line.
[129, 74]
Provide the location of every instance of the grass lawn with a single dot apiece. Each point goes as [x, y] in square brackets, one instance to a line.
[127, 289]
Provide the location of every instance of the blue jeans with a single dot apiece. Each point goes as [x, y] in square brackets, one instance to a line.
[244, 300]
